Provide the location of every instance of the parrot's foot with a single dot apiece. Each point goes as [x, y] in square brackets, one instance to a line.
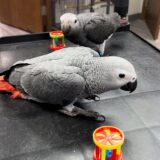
[93, 97]
[73, 111]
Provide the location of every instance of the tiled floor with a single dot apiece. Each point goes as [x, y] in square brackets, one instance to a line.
[140, 27]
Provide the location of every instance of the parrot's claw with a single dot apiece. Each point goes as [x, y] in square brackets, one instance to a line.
[100, 118]
[94, 97]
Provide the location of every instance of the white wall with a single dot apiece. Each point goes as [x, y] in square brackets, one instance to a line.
[135, 6]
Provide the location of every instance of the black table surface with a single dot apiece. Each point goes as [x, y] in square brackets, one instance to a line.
[30, 131]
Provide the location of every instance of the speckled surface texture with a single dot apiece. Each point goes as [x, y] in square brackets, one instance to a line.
[30, 131]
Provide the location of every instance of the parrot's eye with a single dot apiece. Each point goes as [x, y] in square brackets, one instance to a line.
[121, 75]
[75, 21]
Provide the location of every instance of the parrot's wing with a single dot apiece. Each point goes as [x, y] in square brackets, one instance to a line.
[99, 28]
[61, 54]
[53, 84]
[66, 53]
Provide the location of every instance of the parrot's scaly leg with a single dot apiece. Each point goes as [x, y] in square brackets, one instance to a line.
[68, 110]
[72, 111]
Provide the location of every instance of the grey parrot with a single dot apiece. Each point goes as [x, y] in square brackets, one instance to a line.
[90, 29]
[65, 76]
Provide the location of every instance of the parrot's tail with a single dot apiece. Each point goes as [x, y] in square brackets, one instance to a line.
[8, 88]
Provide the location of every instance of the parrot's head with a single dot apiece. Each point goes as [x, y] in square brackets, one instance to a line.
[120, 73]
[69, 23]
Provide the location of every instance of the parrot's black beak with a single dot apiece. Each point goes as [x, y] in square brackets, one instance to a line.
[130, 86]
[66, 29]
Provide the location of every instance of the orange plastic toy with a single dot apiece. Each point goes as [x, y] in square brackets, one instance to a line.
[57, 40]
[8, 88]
[108, 141]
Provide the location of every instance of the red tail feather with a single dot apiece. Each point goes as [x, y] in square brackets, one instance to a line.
[7, 87]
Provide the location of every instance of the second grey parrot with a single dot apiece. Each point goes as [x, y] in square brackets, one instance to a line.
[70, 74]
[90, 29]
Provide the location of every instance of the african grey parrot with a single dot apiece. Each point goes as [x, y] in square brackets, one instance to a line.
[70, 74]
[90, 29]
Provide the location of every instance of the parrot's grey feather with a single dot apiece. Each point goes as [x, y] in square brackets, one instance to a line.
[51, 83]
[78, 52]
[89, 29]
[99, 28]
[62, 54]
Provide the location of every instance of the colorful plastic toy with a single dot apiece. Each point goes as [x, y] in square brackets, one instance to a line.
[108, 141]
[57, 40]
